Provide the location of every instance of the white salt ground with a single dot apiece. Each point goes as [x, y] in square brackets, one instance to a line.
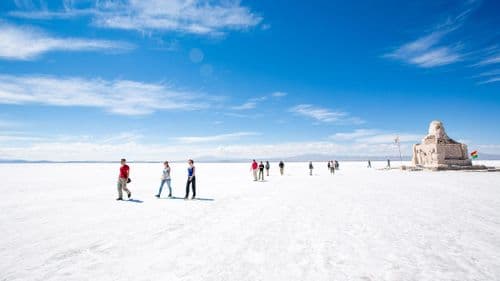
[61, 222]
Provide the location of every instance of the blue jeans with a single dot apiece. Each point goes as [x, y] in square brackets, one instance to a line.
[169, 187]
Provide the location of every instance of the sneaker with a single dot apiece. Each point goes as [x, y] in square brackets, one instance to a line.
[119, 199]
[129, 195]
[186, 198]
[170, 196]
[157, 196]
[192, 198]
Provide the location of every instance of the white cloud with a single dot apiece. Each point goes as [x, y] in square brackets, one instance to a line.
[389, 138]
[245, 106]
[354, 135]
[372, 136]
[58, 150]
[426, 52]
[488, 148]
[24, 43]
[215, 138]
[279, 94]
[494, 59]
[186, 16]
[122, 97]
[490, 80]
[324, 115]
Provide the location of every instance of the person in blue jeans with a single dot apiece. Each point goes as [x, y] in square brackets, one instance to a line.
[165, 178]
[191, 180]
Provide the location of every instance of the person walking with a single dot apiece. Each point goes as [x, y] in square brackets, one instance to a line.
[261, 171]
[337, 165]
[388, 163]
[332, 167]
[329, 166]
[267, 168]
[282, 167]
[165, 178]
[254, 167]
[191, 180]
[123, 179]
[369, 164]
[311, 167]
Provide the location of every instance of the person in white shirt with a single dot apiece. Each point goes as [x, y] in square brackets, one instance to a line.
[165, 178]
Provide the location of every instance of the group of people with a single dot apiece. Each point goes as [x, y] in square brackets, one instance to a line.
[258, 169]
[124, 179]
[333, 165]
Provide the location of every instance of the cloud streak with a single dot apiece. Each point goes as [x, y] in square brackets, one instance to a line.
[427, 52]
[324, 115]
[372, 136]
[185, 16]
[245, 106]
[215, 138]
[123, 97]
[26, 43]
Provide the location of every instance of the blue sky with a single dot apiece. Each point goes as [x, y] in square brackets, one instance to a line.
[152, 79]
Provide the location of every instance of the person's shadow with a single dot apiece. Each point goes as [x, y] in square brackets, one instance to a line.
[182, 198]
[134, 201]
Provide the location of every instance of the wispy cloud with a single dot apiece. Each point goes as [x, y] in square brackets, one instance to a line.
[325, 115]
[490, 80]
[279, 94]
[354, 135]
[490, 59]
[186, 16]
[215, 138]
[373, 136]
[27, 43]
[245, 106]
[427, 52]
[435, 48]
[122, 97]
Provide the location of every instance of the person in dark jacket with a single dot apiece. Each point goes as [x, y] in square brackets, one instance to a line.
[191, 180]
[267, 168]
[311, 167]
[261, 171]
[282, 167]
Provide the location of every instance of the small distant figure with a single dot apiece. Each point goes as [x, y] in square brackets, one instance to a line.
[332, 167]
[388, 163]
[337, 165]
[329, 165]
[261, 171]
[369, 164]
[165, 178]
[191, 180]
[254, 167]
[267, 168]
[311, 168]
[123, 179]
[282, 167]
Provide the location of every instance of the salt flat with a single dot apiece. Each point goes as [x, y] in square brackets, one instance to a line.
[61, 222]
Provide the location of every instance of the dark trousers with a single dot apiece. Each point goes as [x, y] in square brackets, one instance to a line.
[193, 185]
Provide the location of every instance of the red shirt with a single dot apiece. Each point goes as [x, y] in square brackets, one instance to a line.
[124, 171]
[255, 166]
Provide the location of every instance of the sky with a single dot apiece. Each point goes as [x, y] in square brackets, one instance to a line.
[157, 80]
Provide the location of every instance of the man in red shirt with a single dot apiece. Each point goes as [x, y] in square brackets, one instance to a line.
[254, 169]
[123, 179]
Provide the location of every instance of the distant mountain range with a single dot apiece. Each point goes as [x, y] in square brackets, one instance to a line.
[298, 158]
